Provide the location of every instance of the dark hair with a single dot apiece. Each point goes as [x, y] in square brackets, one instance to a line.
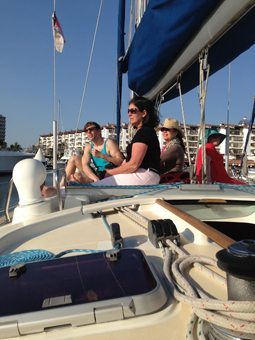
[179, 136]
[142, 103]
[97, 126]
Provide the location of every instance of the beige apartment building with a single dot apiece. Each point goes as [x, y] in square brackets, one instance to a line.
[75, 140]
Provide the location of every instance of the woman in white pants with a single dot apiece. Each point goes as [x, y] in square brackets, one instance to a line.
[142, 164]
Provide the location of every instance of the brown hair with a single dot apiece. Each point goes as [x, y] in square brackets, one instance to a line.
[89, 124]
[142, 103]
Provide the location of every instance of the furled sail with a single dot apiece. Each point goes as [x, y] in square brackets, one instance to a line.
[172, 34]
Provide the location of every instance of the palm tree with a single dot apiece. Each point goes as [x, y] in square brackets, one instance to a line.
[15, 147]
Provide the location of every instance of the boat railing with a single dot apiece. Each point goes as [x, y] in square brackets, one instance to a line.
[56, 181]
[7, 201]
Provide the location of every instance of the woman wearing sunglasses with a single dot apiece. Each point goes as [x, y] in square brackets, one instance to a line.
[172, 153]
[142, 163]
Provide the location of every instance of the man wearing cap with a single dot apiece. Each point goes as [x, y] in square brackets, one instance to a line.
[104, 153]
[172, 153]
[215, 169]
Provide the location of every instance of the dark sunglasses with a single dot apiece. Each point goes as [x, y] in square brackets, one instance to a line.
[164, 129]
[90, 129]
[133, 111]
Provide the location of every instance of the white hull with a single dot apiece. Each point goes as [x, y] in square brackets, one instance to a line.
[8, 159]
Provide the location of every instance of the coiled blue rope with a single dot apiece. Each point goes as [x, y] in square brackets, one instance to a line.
[37, 255]
[25, 256]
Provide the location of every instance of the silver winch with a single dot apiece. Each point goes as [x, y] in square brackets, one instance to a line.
[238, 261]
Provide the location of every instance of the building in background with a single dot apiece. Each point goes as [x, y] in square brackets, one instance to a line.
[74, 141]
[2, 131]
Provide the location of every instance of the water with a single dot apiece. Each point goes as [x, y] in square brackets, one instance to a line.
[4, 187]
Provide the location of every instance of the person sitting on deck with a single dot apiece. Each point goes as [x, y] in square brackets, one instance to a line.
[104, 153]
[215, 169]
[172, 152]
[143, 153]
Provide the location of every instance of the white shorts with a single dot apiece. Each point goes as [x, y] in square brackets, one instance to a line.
[140, 177]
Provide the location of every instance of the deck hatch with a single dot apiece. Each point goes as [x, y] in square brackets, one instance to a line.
[79, 290]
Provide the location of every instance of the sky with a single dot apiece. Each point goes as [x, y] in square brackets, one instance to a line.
[26, 72]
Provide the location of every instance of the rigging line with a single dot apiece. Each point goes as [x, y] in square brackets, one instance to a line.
[169, 89]
[184, 122]
[204, 67]
[227, 129]
[88, 69]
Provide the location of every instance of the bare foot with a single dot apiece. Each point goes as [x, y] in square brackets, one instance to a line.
[48, 191]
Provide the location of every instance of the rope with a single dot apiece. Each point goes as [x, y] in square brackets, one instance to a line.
[88, 69]
[68, 251]
[150, 189]
[237, 316]
[105, 223]
[184, 122]
[245, 188]
[25, 256]
[208, 271]
[168, 90]
[204, 70]
[37, 255]
[117, 245]
[134, 216]
[150, 186]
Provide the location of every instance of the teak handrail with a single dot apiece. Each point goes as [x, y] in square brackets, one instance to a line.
[212, 233]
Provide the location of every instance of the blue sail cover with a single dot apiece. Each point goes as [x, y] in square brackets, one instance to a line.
[166, 28]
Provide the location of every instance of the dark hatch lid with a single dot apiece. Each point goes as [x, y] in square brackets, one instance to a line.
[91, 281]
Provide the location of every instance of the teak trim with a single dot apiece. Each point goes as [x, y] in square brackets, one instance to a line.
[212, 233]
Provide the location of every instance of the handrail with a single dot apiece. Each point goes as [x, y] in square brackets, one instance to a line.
[212, 233]
[57, 182]
[7, 201]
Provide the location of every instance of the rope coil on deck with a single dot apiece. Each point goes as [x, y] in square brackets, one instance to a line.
[237, 316]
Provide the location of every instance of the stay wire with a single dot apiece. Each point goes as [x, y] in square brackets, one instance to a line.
[89, 64]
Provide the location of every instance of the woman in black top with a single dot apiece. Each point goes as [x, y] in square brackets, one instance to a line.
[143, 153]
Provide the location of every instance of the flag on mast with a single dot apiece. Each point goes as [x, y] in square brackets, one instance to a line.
[58, 35]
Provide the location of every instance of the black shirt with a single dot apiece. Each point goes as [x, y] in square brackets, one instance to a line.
[148, 136]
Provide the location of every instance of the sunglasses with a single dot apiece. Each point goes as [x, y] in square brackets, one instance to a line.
[165, 129]
[90, 129]
[133, 111]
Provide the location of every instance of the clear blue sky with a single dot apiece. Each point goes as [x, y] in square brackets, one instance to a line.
[26, 71]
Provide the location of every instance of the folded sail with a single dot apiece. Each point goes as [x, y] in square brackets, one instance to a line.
[172, 34]
[58, 36]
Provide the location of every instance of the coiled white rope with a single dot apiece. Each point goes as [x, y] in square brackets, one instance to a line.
[236, 316]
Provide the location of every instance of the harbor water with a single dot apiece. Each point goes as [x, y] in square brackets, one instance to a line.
[4, 187]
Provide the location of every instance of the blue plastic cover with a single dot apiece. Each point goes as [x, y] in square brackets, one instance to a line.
[166, 29]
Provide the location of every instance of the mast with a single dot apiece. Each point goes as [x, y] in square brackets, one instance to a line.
[58, 45]
[54, 121]
[120, 55]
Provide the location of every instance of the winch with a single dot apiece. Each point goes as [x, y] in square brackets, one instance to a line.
[238, 261]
